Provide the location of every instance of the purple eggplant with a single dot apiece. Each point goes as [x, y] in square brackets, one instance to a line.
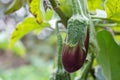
[74, 57]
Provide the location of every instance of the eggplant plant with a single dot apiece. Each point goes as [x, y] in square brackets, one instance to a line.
[92, 35]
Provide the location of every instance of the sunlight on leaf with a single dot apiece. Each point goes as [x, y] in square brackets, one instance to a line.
[23, 28]
[113, 9]
[116, 29]
[35, 10]
[117, 37]
[46, 11]
[48, 15]
[95, 4]
[108, 56]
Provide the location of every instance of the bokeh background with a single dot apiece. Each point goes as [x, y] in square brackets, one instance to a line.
[32, 58]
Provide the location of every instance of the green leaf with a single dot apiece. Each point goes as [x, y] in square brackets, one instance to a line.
[34, 7]
[113, 9]
[108, 56]
[14, 6]
[18, 49]
[23, 28]
[95, 4]
[48, 14]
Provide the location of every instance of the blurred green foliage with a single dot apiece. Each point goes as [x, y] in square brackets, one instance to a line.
[19, 49]
[38, 70]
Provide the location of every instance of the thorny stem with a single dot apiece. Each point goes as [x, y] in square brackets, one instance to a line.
[59, 12]
[60, 45]
[84, 7]
[77, 8]
[61, 74]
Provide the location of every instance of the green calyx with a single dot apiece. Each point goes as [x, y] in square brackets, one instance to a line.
[77, 26]
[76, 31]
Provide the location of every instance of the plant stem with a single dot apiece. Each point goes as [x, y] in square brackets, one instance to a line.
[60, 45]
[59, 12]
[77, 8]
[87, 67]
[106, 24]
[60, 74]
[93, 17]
[84, 7]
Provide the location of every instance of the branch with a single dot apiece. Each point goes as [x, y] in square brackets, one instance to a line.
[106, 24]
[59, 12]
[87, 67]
